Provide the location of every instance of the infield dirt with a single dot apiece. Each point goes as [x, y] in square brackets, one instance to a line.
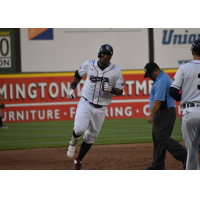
[100, 157]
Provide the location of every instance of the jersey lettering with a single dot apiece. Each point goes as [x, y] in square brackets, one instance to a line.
[95, 79]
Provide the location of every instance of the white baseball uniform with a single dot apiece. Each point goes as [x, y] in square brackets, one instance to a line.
[187, 78]
[89, 119]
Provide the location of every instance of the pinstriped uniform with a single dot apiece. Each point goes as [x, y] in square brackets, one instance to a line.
[89, 119]
[187, 78]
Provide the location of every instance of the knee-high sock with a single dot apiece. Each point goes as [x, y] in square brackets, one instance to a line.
[83, 150]
[1, 122]
[74, 135]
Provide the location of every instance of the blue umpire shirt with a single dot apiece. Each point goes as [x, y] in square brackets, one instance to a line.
[160, 90]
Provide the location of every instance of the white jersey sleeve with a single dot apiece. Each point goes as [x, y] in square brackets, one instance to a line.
[82, 71]
[119, 81]
[178, 79]
[187, 79]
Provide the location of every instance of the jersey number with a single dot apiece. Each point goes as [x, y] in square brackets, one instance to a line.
[198, 86]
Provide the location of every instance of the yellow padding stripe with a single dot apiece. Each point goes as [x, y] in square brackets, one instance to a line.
[36, 75]
[142, 71]
[71, 74]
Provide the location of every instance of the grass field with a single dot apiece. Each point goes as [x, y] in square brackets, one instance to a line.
[58, 133]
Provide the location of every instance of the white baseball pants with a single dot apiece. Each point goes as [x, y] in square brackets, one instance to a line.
[88, 120]
[191, 130]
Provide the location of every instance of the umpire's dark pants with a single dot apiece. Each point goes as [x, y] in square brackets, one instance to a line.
[162, 129]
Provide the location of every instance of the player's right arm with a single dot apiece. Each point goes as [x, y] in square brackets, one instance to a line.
[175, 93]
[77, 78]
[79, 74]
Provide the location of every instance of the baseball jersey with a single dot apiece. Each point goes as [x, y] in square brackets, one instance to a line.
[95, 76]
[187, 78]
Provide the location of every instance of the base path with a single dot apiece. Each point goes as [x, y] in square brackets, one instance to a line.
[100, 157]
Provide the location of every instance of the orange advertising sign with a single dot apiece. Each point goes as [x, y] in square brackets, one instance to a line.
[42, 97]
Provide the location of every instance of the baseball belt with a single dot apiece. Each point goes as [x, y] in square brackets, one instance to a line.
[95, 105]
[186, 105]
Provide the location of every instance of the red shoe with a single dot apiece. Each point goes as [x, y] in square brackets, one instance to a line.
[77, 164]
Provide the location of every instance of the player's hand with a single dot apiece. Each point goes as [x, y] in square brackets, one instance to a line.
[106, 87]
[70, 94]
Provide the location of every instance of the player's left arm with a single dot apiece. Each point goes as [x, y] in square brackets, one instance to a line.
[118, 92]
[106, 87]
[118, 89]
[119, 84]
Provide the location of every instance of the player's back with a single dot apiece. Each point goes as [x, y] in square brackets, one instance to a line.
[191, 82]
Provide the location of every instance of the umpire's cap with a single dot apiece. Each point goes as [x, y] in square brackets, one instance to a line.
[149, 67]
[196, 46]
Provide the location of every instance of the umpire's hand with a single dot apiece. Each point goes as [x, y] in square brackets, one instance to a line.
[150, 118]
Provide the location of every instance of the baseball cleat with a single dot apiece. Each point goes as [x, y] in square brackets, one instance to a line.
[78, 164]
[71, 150]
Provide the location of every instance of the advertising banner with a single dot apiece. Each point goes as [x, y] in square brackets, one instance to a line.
[42, 97]
[172, 46]
[7, 50]
[66, 49]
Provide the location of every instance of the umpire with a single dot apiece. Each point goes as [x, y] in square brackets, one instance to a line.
[162, 117]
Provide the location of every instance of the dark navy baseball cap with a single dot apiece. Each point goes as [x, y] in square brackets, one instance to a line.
[196, 46]
[148, 69]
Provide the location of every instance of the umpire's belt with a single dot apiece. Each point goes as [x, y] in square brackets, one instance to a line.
[95, 105]
[186, 105]
[169, 108]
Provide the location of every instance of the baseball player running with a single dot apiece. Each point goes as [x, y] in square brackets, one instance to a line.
[104, 79]
[2, 106]
[187, 78]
